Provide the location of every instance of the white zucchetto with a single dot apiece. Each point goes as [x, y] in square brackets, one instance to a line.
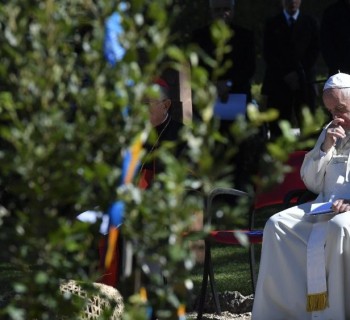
[338, 81]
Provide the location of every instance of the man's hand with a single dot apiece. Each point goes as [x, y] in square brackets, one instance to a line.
[334, 132]
[341, 205]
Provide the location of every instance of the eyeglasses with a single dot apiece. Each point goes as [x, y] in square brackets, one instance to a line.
[152, 102]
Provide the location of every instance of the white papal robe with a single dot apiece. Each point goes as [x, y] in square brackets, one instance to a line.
[281, 291]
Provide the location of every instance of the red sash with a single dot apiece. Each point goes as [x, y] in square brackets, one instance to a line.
[146, 178]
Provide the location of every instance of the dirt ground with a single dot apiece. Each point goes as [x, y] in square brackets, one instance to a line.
[224, 316]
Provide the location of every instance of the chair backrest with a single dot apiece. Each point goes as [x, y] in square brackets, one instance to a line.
[292, 182]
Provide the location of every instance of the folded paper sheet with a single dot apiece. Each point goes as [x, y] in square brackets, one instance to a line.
[321, 208]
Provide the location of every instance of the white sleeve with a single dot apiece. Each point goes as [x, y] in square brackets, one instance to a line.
[313, 169]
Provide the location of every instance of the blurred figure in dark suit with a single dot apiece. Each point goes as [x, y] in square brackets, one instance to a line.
[290, 50]
[237, 78]
[335, 37]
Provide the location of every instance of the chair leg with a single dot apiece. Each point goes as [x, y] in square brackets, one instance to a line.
[208, 274]
[203, 292]
[252, 266]
[212, 283]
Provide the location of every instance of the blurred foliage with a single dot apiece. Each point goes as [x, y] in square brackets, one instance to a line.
[66, 118]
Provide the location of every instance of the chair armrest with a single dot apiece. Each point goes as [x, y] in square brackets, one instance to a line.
[218, 192]
[300, 195]
[306, 197]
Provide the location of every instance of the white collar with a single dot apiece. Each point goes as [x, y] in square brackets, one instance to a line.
[295, 15]
[165, 119]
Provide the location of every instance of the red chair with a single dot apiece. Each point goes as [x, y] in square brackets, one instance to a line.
[289, 190]
[217, 236]
[288, 193]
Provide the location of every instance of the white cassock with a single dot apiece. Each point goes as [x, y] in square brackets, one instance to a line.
[303, 258]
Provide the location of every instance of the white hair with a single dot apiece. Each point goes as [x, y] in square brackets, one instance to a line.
[346, 92]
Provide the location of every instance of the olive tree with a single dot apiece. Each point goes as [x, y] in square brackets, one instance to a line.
[68, 114]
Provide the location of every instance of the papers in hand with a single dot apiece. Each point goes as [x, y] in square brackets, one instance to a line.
[321, 208]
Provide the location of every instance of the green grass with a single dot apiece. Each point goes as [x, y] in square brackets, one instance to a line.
[231, 269]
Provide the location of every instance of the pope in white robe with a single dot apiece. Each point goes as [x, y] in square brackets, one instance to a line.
[305, 264]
